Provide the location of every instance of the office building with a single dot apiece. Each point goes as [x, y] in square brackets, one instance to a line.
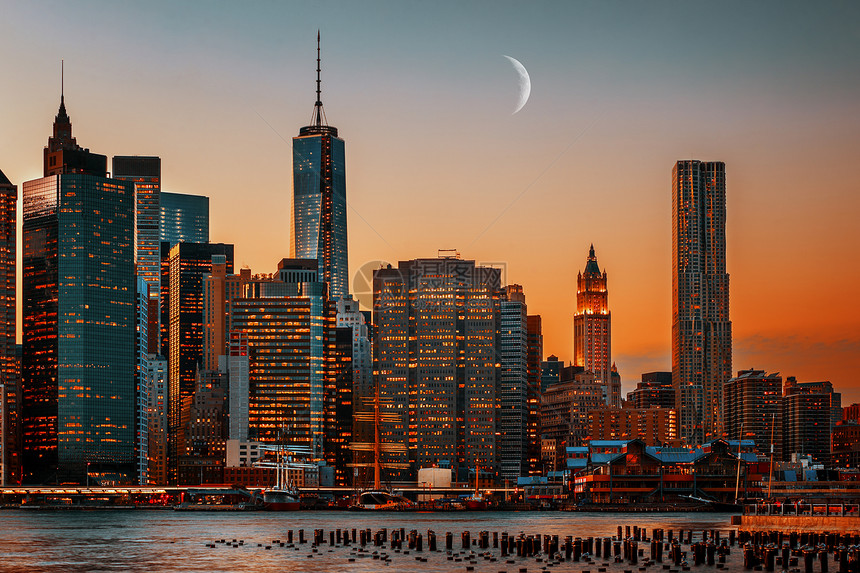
[206, 432]
[654, 426]
[436, 324]
[550, 372]
[513, 384]
[654, 391]
[319, 198]
[188, 263]
[289, 325]
[701, 328]
[145, 173]
[592, 328]
[78, 417]
[565, 406]
[183, 218]
[9, 379]
[219, 291]
[157, 392]
[534, 360]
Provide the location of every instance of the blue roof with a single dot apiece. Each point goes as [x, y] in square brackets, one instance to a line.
[608, 443]
[560, 474]
[576, 450]
[531, 480]
[604, 458]
[576, 463]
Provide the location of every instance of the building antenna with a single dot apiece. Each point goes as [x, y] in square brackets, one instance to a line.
[62, 79]
[318, 104]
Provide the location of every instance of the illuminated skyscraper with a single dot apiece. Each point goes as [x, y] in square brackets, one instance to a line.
[184, 218]
[145, 172]
[79, 318]
[701, 329]
[319, 198]
[9, 379]
[436, 355]
[513, 383]
[189, 263]
[592, 328]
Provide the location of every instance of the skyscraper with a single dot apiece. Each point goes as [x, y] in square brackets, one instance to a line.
[592, 327]
[188, 264]
[79, 314]
[513, 383]
[701, 329]
[752, 408]
[319, 198]
[436, 355]
[184, 218]
[9, 379]
[145, 172]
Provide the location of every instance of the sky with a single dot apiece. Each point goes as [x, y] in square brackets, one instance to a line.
[422, 95]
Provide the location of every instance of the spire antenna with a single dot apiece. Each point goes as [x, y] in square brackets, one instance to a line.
[319, 99]
[62, 79]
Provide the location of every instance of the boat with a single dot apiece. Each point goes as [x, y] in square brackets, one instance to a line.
[281, 499]
[381, 500]
[476, 501]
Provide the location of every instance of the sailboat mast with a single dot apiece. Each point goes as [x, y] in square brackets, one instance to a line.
[738, 480]
[377, 445]
[770, 478]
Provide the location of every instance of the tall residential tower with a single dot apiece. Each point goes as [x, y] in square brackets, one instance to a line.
[319, 198]
[701, 329]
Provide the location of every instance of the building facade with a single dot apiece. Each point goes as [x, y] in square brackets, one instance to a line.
[808, 411]
[319, 198]
[78, 418]
[188, 264]
[701, 327]
[654, 391]
[9, 379]
[654, 426]
[435, 355]
[183, 218]
[592, 325]
[513, 383]
[752, 409]
[220, 289]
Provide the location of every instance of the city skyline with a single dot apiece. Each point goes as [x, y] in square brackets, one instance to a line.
[544, 170]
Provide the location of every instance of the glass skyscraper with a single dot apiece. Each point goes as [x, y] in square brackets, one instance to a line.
[78, 418]
[9, 379]
[184, 218]
[319, 199]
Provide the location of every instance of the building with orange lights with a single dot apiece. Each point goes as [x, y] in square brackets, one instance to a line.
[437, 362]
[592, 329]
[654, 426]
[752, 409]
[9, 379]
[701, 327]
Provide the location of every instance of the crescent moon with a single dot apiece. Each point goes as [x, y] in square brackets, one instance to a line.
[525, 83]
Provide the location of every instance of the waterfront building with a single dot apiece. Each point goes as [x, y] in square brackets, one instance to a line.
[188, 263]
[654, 426]
[808, 410]
[78, 416]
[752, 409]
[289, 325]
[206, 433]
[237, 368]
[183, 218]
[654, 391]
[513, 382]
[219, 291]
[9, 379]
[157, 393]
[319, 198]
[435, 355]
[701, 327]
[339, 408]
[362, 396]
[534, 359]
[565, 406]
[845, 445]
[592, 328]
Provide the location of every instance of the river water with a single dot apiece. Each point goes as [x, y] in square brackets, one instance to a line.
[140, 540]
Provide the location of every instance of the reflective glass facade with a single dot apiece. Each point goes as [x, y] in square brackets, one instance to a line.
[9, 459]
[319, 204]
[184, 218]
[79, 329]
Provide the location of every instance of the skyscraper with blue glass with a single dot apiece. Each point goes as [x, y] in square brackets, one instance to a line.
[78, 418]
[319, 198]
